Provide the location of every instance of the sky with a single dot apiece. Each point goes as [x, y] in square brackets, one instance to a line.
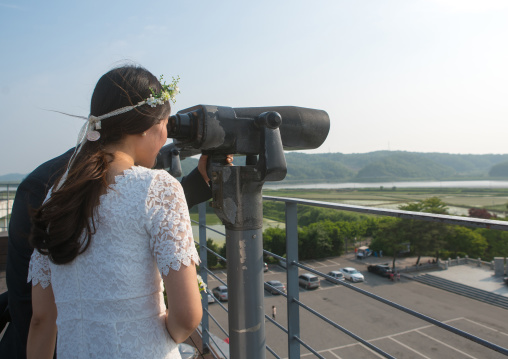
[409, 75]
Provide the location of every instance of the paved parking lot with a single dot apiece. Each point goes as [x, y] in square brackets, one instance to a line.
[397, 333]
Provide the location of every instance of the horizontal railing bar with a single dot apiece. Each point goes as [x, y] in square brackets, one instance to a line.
[273, 255]
[209, 228]
[308, 347]
[271, 351]
[432, 217]
[214, 253]
[277, 290]
[218, 301]
[216, 344]
[216, 322]
[213, 275]
[277, 324]
[344, 330]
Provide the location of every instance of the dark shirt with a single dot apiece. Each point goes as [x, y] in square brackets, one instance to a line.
[30, 194]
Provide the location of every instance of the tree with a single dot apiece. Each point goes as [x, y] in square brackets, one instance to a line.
[497, 242]
[480, 213]
[388, 238]
[313, 242]
[465, 240]
[335, 236]
[274, 240]
[425, 236]
[210, 257]
[429, 205]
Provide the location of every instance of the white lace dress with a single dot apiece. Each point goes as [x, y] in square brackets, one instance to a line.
[109, 299]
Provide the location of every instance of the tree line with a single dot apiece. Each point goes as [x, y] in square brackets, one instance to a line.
[326, 233]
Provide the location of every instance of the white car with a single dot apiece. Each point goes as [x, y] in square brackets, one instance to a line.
[352, 274]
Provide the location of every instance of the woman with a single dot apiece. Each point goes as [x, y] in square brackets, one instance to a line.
[110, 230]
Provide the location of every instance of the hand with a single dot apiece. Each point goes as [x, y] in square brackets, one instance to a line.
[203, 165]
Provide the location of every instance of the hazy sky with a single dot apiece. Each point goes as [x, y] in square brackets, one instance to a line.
[426, 76]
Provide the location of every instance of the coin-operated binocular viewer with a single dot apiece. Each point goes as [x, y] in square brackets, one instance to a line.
[261, 134]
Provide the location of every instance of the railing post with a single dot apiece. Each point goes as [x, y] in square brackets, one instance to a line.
[292, 281]
[203, 254]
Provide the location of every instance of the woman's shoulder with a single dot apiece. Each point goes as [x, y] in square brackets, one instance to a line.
[151, 176]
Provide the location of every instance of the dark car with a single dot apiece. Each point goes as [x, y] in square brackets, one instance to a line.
[380, 269]
[271, 284]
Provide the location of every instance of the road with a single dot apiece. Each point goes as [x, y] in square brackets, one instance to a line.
[395, 332]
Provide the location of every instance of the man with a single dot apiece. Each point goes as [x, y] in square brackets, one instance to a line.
[30, 194]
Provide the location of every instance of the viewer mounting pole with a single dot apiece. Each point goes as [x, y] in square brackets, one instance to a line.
[238, 202]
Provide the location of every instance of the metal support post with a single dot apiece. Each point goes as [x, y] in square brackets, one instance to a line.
[239, 204]
[203, 254]
[292, 281]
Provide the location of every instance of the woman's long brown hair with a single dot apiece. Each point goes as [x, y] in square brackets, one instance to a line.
[64, 225]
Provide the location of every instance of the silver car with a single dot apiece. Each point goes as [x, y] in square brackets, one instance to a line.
[352, 274]
[337, 276]
[221, 293]
[308, 281]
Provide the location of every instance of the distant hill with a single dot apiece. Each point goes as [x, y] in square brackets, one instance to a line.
[499, 170]
[404, 165]
[393, 165]
[376, 166]
[12, 177]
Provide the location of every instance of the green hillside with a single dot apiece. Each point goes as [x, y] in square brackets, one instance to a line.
[499, 170]
[394, 165]
[378, 166]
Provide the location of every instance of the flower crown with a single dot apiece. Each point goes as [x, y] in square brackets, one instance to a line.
[168, 92]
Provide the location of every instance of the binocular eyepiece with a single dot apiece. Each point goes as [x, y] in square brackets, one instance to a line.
[226, 130]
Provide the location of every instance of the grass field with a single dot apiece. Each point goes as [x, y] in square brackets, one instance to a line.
[459, 200]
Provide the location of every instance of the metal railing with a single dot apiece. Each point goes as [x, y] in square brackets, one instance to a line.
[293, 302]
[7, 193]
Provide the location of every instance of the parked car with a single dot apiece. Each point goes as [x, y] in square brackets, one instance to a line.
[221, 293]
[275, 284]
[337, 276]
[210, 298]
[283, 263]
[352, 274]
[265, 267]
[381, 269]
[308, 281]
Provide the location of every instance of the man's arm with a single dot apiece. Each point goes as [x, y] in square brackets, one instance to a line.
[195, 188]
[196, 185]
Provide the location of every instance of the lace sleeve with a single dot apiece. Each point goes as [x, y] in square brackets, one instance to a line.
[39, 271]
[170, 229]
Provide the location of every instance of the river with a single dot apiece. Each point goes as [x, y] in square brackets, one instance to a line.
[388, 185]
